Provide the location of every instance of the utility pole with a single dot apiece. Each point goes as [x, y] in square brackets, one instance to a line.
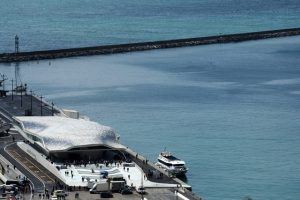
[52, 109]
[31, 101]
[25, 88]
[21, 96]
[41, 105]
[12, 89]
[3, 80]
[16, 44]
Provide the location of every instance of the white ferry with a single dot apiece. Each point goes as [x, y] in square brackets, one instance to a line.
[170, 163]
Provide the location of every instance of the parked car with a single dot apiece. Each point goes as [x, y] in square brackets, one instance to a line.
[141, 190]
[57, 194]
[106, 195]
[126, 190]
[104, 174]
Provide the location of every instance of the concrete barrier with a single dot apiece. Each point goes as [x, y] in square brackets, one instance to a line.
[181, 196]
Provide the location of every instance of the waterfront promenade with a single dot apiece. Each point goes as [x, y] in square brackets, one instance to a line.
[143, 46]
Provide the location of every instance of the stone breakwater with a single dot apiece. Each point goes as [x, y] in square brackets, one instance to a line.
[142, 46]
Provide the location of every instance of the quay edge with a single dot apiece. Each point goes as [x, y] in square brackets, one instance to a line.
[29, 150]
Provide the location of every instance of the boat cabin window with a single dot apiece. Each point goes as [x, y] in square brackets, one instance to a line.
[178, 165]
[165, 163]
[169, 164]
[171, 157]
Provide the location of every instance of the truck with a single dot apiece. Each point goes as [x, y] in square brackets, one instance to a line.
[99, 187]
[114, 183]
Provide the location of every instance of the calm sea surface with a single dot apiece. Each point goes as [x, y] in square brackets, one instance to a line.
[231, 111]
[52, 24]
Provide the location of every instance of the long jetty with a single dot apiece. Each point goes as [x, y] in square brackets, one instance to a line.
[142, 46]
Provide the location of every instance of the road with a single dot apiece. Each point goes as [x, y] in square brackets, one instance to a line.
[37, 183]
[17, 105]
[22, 161]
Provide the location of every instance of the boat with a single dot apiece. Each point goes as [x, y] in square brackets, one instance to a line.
[170, 163]
[20, 88]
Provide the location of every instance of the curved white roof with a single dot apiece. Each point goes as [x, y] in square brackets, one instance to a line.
[61, 133]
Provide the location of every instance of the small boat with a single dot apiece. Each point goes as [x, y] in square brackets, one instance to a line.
[21, 88]
[170, 163]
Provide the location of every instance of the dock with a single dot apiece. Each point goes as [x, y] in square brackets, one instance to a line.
[42, 177]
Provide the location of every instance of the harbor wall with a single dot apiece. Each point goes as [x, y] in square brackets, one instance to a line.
[142, 46]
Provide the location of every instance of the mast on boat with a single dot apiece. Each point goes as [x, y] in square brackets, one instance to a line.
[19, 85]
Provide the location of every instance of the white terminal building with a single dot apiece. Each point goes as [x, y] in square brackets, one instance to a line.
[63, 138]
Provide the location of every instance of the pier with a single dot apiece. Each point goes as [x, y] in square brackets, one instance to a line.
[143, 46]
[23, 156]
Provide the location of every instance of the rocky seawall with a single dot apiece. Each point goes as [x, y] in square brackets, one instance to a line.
[142, 46]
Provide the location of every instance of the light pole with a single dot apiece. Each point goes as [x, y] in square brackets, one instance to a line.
[21, 96]
[52, 109]
[3, 81]
[41, 105]
[31, 101]
[12, 89]
[16, 44]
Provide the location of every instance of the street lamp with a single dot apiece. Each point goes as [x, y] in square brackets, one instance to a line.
[16, 44]
[52, 109]
[12, 89]
[3, 80]
[31, 101]
[41, 105]
[21, 96]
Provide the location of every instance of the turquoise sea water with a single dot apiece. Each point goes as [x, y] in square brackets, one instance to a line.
[231, 111]
[44, 24]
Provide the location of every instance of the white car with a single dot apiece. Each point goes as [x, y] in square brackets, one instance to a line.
[58, 193]
[141, 190]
